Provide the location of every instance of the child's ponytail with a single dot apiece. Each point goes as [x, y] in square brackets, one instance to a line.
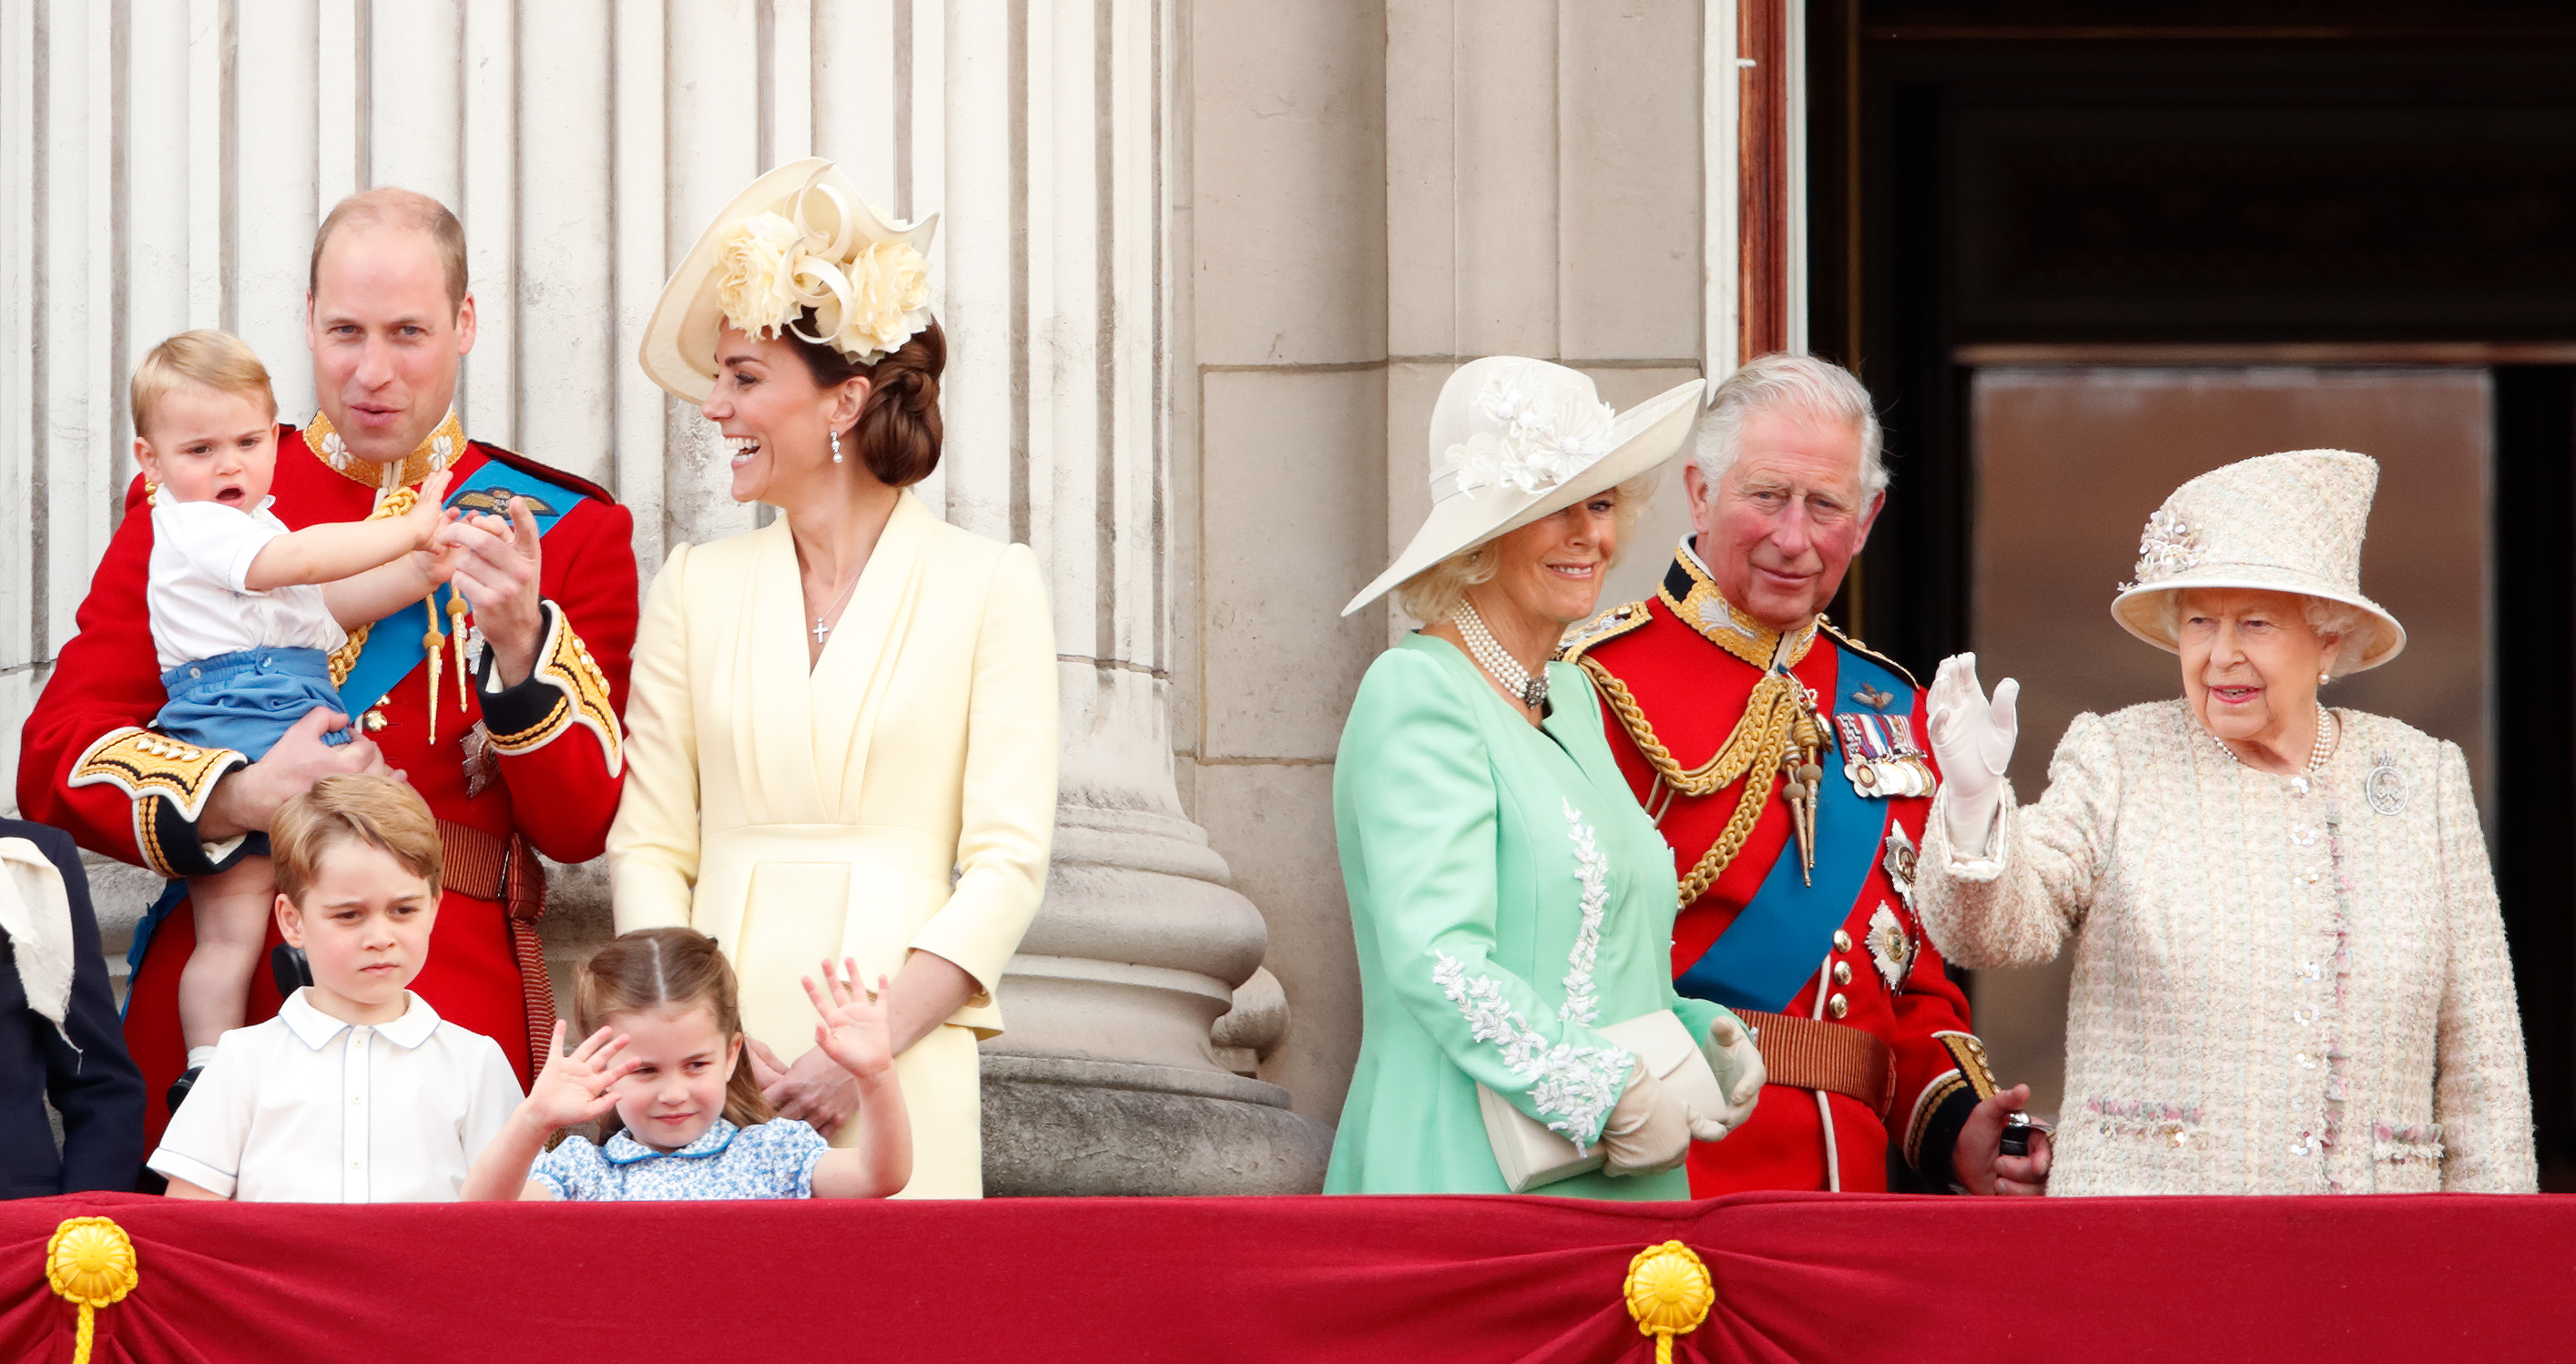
[667, 968]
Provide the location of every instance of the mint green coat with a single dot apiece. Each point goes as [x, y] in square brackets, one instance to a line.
[1507, 897]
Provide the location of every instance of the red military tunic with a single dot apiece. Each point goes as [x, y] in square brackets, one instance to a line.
[1677, 673]
[550, 784]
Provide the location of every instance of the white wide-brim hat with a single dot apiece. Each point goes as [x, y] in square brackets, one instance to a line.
[679, 350]
[1515, 439]
[2277, 523]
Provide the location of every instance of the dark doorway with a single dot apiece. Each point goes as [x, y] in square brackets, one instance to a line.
[2249, 184]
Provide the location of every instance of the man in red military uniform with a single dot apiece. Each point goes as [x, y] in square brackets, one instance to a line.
[1786, 766]
[508, 726]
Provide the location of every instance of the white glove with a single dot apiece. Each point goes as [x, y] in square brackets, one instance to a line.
[1737, 1061]
[1973, 738]
[1649, 1132]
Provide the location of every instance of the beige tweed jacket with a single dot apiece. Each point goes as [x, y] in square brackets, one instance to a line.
[2282, 985]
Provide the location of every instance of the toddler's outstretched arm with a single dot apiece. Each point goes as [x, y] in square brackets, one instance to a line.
[574, 1088]
[367, 569]
[854, 1034]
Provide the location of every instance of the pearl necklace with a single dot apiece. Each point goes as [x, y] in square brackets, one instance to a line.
[2328, 731]
[1498, 663]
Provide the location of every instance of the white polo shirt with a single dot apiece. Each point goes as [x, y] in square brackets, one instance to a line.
[307, 1109]
[198, 589]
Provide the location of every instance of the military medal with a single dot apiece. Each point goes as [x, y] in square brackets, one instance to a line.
[1880, 755]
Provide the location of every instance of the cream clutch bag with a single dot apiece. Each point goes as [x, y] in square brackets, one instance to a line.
[1531, 1155]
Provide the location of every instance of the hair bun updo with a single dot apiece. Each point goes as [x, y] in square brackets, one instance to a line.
[898, 431]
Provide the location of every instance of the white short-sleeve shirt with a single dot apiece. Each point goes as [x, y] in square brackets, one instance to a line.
[307, 1109]
[197, 592]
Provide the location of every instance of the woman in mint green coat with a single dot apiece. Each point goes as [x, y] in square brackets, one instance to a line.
[1508, 897]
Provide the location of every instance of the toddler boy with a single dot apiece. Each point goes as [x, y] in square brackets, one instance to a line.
[245, 614]
[356, 1092]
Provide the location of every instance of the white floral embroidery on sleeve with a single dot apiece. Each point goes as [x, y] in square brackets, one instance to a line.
[1583, 1004]
[1573, 1087]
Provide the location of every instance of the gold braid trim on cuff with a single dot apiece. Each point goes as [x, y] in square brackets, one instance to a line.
[1935, 1094]
[149, 768]
[143, 765]
[564, 663]
[1751, 753]
[1970, 1056]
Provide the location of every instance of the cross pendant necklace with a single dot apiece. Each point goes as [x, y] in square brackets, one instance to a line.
[820, 628]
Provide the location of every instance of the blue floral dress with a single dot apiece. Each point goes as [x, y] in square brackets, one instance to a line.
[773, 1159]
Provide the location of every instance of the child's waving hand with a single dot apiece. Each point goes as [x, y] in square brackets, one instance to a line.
[853, 1031]
[578, 1085]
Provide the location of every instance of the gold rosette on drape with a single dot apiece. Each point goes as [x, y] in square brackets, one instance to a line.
[90, 1263]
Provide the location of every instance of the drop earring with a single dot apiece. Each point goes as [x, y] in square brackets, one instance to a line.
[836, 447]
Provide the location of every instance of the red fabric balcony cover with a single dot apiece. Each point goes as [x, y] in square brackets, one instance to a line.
[1798, 1277]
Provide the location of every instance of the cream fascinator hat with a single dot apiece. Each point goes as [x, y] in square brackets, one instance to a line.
[799, 237]
[2276, 523]
[1513, 440]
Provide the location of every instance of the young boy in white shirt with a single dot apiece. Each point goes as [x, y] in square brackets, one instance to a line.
[245, 615]
[356, 1092]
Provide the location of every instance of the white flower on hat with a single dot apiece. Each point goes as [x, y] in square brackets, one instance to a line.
[757, 289]
[1545, 437]
[889, 301]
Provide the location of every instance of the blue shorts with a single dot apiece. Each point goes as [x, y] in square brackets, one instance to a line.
[247, 701]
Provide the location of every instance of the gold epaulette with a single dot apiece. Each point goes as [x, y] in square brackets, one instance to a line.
[1610, 624]
[564, 663]
[1867, 652]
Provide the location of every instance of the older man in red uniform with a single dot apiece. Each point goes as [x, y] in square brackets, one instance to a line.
[499, 700]
[1785, 764]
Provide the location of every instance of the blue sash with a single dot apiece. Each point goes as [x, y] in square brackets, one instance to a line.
[1767, 955]
[394, 645]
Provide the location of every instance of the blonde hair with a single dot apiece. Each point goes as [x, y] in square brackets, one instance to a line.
[397, 208]
[204, 358]
[668, 968]
[377, 810]
[1432, 594]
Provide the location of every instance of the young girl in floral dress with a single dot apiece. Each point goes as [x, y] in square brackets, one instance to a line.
[678, 1115]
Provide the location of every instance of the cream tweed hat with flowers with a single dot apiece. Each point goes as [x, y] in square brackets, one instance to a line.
[798, 237]
[1515, 439]
[2276, 523]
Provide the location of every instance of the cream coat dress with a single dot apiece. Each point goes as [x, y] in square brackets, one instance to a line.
[2283, 985]
[900, 796]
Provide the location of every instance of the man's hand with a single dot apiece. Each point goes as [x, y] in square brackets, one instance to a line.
[1976, 1161]
[247, 798]
[498, 573]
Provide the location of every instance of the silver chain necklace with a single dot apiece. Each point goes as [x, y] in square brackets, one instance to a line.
[1490, 655]
[2329, 730]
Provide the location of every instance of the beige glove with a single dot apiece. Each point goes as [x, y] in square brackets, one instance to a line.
[1649, 1132]
[1737, 1062]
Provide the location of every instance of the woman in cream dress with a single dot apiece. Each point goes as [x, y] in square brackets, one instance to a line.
[842, 733]
[2290, 969]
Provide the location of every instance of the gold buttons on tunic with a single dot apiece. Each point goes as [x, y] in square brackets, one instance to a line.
[373, 721]
[1842, 941]
[1842, 973]
[1838, 1006]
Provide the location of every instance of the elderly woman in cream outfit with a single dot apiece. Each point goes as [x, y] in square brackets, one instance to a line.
[2290, 971]
[842, 737]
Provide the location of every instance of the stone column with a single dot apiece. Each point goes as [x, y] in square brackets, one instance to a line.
[1109, 1078]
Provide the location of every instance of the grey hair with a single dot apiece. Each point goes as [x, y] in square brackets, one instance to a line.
[1782, 382]
[1432, 594]
[2335, 620]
